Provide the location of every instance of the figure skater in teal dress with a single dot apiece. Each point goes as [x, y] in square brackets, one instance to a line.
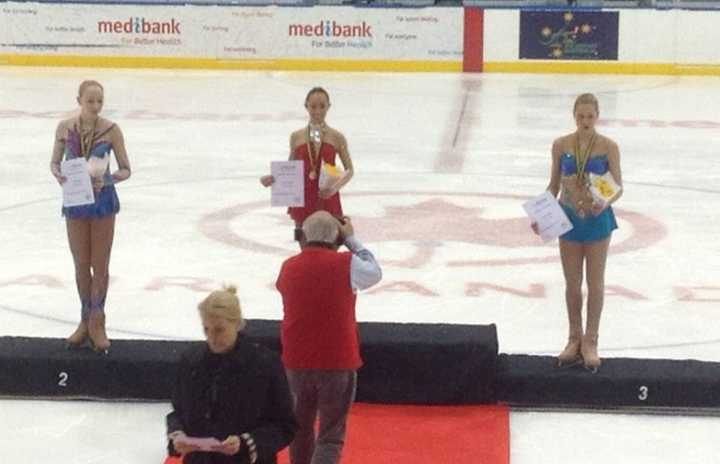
[585, 247]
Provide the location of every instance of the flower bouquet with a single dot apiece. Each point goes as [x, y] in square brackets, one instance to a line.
[604, 188]
[329, 175]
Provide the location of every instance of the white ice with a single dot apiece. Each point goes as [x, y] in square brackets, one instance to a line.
[443, 163]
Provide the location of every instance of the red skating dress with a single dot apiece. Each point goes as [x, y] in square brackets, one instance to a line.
[313, 202]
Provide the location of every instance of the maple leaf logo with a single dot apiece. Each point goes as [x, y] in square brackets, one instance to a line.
[427, 226]
[438, 219]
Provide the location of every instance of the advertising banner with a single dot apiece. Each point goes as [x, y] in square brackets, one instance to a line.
[557, 35]
[415, 34]
[231, 33]
[105, 30]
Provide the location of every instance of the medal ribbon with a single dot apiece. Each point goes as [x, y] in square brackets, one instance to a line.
[581, 159]
[313, 155]
[86, 139]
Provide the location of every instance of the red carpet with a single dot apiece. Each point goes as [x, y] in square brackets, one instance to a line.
[426, 435]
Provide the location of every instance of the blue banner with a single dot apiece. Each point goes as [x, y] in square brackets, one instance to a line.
[569, 35]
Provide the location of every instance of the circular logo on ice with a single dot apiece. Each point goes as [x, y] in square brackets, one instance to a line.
[417, 228]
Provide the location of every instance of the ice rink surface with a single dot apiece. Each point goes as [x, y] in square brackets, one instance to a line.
[443, 164]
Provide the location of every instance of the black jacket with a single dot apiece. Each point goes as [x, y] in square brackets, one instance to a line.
[242, 391]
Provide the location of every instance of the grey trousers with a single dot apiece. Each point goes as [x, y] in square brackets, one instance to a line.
[325, 395]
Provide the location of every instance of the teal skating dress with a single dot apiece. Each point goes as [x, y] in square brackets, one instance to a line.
[586, 226]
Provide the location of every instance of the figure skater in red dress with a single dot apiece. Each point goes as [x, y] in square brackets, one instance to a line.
[314, 144]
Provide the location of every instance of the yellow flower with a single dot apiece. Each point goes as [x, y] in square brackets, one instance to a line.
[604, 187]
[332, 170]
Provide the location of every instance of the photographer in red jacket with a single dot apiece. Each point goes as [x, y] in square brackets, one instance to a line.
[320, 342]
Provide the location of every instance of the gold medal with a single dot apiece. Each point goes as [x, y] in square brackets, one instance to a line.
[312, 175]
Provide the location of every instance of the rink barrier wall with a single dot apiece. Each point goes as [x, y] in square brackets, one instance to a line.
[668, 42]
[667, 69]
[213, 64]
[233, 37]
[338, 38]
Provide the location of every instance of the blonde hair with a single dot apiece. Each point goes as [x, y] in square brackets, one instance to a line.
[586, 99]
[223, 304]
[89, 83]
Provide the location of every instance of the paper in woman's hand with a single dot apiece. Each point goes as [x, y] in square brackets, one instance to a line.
[77, 189]
[288, 189]
[201, 443]
[551, 220]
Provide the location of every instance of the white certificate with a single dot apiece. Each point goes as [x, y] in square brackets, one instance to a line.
[288, 189]
[77, 189]
[551, 220]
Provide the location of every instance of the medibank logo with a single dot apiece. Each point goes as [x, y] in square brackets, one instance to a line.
[139, 26]
[330, 29]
